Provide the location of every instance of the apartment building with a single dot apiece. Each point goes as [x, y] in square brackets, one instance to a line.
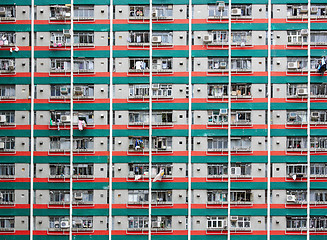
[163, 120]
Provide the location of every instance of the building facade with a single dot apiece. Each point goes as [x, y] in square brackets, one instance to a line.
[163, 119]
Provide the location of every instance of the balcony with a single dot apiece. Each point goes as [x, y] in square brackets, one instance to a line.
[297, 37]
[64, 66]
[296, 171]
[141, 171]
[7, 171]
[139, 65]
[7, 197]
[7, 118]
[240, 223]
[296, 197]
[299, 91]
[60, 12]
[216, 223]
[139, 12]
[163, 12]
[161, 223]
[7, 39]
[81, 39]
[318, 144]
[7, 144]
[220, 38]
[7, 224]
[80, 171]
[80, 145]
[79, 224]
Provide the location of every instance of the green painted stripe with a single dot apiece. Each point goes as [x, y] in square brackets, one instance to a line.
[15, 133]
[235, 26]
[288, 212]
[289, 53]
[16, 27]
[224, 79]
[211, 106]
[209, 212]
[66, 80]
[288, 185]
[224, 53]
[285, 106]
[77, 27]
[289, 26]
[91, 212]
[204, 2]
[15, 106]
[14, 185]
[15, 80]
[65, 106]
[143, 185]
[77, 133]
[15, 159]
[65, 159]
[288, 132]
[145, 159]
[288, 159]
[66, 54]
[234, 132]
[145, 106]
[50, 212]
[289, 79]
[14, 212]
[19, 54]
[224, 159]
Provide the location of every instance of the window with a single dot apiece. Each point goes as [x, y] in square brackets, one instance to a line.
[241, 11]
[241, 64]
[138, 196]
[318, 196]
[318, 117]
[216, 222]
[296, 37]
[318, 37]
[139, 170]
[58, 39]
[136, 38]
[7, 223]
[83, 196]
[162, 90]
[297, 90]
[215, 170]
[79, 223]
[139, 12]
[318, 223]
[7, 12]
[7, 144]
[7, 170]
[138, 144]
[241, 38]
[79, 91]
[238, 222]
[7, 196]
[300, 196]
[318, 143]
[83, 38]
[7, 117]
[138, 64]
[59, 196]
[218, 116]
[240, 169]
[7, 91]
[83, 12]
[218, 11]
[162, 197]
[56, 117]
[83, 144]
[7, 65]
[59, 143]
[161, 222]
[162, 11]
[217, 91]
[240, 143]
[297, 11]
[241, 196]
[296, 223]
[64, 65]
[318, 90]
[162, 118]
[138, 91]
[62, 170]
[162, 143]
[216, 196]
[296, 143]
[138, 222]
[241, 90]
[139, 118]
[217, 144]
[59, 12]
[296, 170]
[79, 144]
[318, 11]
[297, 64]
[7, 38]
[241, 117]
[162, 38]
[296, 117]
[162, 65]
[218, 64]
[219, 37]
[318, 169]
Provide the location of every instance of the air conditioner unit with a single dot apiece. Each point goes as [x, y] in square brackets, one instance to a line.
[2, 145]
[66, 32]
[314, 115]
[236, 12]
[290, 198]
[3, 118]
[2, 11]
[63, 90]
[78, 90]
[156, 224]
[221, 6]
[292, 115]
[65, 118]
[236, 171]
[233, 218]
[64, 224]
[304, 9]
[223, 111]
[155, 86]
[78, 195]
[222, 65]
[156, 39]
[67, 15]
[314, 9]
[302, 91]
[304, 32]
[293, 65]
[11, 65]
[207, 38]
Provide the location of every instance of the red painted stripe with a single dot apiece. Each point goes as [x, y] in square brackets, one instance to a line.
[206, 127]
[173, 47]
[95, 48]
[224, 47]
[67, 100]
[146, 74]
[17, 74]
[97, 74]
[92, 21]
[208, 100]
[146, 21]
[45, 153]
[162, 100]
[204, 74]
[256, 20]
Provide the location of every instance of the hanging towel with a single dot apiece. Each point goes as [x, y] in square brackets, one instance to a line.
[80, 125]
